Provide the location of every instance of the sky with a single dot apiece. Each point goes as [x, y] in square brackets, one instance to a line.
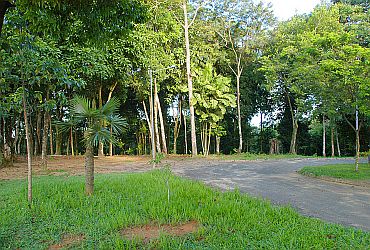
[284, 9]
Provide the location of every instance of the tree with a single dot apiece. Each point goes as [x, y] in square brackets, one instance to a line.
[95, 118]
[241, 26]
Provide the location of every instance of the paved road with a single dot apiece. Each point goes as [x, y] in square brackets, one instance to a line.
[278, 181]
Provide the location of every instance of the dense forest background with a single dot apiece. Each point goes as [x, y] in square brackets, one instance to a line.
[307, 78]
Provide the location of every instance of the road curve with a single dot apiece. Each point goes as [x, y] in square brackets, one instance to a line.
[278, 181]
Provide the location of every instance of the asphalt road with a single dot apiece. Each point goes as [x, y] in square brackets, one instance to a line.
[278, 181]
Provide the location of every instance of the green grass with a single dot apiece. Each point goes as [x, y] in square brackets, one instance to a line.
[250, 156]
[341, 171]
[228, 220]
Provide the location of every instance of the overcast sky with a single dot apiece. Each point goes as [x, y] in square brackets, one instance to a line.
[284, 9]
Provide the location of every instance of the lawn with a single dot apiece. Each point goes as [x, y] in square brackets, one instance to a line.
[341, 171]
[228, 220]
[252, 157]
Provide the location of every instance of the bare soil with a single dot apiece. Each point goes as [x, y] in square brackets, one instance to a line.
[150, 232]
[68, 165]
[68, 240]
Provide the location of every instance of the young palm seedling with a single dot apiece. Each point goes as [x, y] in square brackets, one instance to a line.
[95, 121]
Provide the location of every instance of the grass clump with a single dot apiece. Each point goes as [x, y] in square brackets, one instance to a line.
[227, 220]
[340, 171]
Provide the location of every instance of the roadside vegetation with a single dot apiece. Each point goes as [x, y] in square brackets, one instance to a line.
[341, 171]
[226, 219]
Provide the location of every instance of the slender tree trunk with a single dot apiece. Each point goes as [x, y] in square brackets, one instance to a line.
[323, 136]
[89, 170]
[101, 144]
[218, 140]
[58, 141]
[332, 143]
[338, 146]
[51, 137]
[239, 113]
[357, 139]
[29, 151]
[72, 144]
[261, 131]
[44, 149]
[148, 121]
[177, 126]
[209, 139]
[293, 141]
[194, 150]
[16, 137]
[185, 135]
[111, 131]
[111, 144]
[38, 133]
[163, 134]
[156, 129]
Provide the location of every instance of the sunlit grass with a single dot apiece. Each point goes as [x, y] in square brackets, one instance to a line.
[341, 171]
[252, 157]
[228, 220]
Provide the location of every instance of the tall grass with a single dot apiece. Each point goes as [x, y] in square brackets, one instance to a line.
[228, 220]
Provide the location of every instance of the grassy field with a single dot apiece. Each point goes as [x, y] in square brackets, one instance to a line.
[227, 220]
[249, 156]
[341, 171]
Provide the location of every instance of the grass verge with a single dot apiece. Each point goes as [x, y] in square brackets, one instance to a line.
[252, 157]
[340, 171]
[227, 220]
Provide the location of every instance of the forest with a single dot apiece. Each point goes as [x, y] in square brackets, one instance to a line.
[141, 77]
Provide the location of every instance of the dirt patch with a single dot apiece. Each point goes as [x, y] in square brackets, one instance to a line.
[67, 241]
[151, 232]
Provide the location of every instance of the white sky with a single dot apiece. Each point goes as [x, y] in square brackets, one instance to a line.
[284, 9]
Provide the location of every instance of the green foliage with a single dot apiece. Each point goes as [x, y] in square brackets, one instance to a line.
[341, 171]
[228, 219]
[212, 95]
[95, 119]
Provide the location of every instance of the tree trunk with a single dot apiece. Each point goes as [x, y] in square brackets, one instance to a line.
[101, 144]
[44, 162]
[323, 137]
[112, 88]
[209, 139]
[261, 131]
[89, 170]
[218, 140]
[51, 137]
[16, 137]
[357, 139]
[332, 143]
[163, 134]
[58, 141]
[177, 126]
[185, 134]
[239, 113]
[194, 150]
[111, 144]
[38, 133]
[338, 146]
[156, 129]
[293, 141]
[29, 151]
[72, 144]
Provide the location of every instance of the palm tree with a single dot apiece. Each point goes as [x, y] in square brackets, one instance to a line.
[95, 131]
